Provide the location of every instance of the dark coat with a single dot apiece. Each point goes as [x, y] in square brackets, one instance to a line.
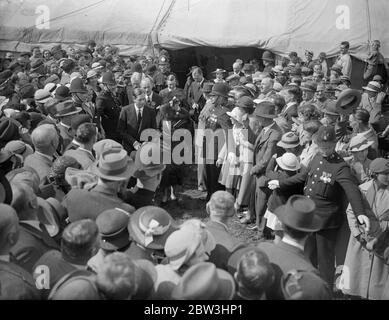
[66, 135]
[128, 125]
[225, 244]
[284, 257]
[31, 245]
[88, 204]
[289, 113]
[330, 197]
[108, 109]
[16, 283]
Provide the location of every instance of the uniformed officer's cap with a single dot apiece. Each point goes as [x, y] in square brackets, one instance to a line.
[325, 135]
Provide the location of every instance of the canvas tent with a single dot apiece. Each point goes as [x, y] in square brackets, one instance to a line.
[138, 26]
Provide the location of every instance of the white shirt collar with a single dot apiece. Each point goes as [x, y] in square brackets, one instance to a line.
[293, 243]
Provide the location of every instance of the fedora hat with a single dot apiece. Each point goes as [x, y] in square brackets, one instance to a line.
[347, 101]
[113, 230]
[113, 164]
[373, 86]
[142, 163]
[99, 146]
[299, 214]
[265, 109]
[359, 143]
[203, 281]
[77, 86]
[62, 93]
[288, 161]
[289, 140]
[325, 135]
[220, 89]
[150, 226]
[66, 108]
[108, 78]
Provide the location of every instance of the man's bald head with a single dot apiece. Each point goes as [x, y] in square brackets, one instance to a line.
[44, 137]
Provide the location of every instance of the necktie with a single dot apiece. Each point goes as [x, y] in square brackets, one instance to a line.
[139, 117]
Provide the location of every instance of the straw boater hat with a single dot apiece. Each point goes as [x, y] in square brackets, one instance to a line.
[288, 161]
[373, 86]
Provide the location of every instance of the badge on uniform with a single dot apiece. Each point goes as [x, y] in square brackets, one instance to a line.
[326, 177]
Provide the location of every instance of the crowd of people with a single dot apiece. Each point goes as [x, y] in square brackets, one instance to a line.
[296, 155]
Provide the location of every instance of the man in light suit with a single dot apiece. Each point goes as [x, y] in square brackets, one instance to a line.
[220, 209]
[264, 148]
[134, 119]
[45, 140]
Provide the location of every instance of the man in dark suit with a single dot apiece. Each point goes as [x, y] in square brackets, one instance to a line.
[134, 119]
[299, 219]
[330, 183]
[16, 283]
[34, 237]
[196, 99]
[153, 99]
[220, 209]
[291, 94]
[264, 148]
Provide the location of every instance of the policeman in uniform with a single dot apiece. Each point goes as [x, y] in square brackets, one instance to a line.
[330, 183]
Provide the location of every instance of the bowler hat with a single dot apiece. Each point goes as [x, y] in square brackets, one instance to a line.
[379, 165]
[325, 135]
[203, 281]
[220, 89]
[348, 100]
[288, 161]
[207, 87]
[265, 109]
[299, 213]
[304, 285]
[114, 165]
[62, 93]
[66, 108]
[77, 86]
[267, 56]
[113, 230]
[289, 140]
[245, 102]
[150, 226]
[359, 143]
[373, 86]
[108, 78]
